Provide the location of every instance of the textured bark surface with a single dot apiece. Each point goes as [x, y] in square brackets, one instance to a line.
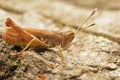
[93, 55]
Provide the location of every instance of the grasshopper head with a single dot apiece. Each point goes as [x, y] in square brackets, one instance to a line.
[69, 36]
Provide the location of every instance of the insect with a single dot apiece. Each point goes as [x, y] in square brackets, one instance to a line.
[37, 38]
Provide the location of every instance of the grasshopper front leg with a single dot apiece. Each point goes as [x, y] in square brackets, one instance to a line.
[31, 39]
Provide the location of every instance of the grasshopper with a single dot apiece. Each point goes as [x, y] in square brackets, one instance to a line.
[38, 38]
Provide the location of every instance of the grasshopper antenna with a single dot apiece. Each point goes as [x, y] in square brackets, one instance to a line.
[80, 27]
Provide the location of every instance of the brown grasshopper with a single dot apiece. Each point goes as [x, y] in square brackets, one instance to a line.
[37, 37]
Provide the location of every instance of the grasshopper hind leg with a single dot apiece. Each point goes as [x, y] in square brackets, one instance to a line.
[30, 38]
[34, 41]
[27, 46]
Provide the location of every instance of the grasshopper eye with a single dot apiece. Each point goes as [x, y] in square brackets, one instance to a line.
[69, 36]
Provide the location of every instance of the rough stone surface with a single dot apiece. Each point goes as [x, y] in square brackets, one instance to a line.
[93, 55]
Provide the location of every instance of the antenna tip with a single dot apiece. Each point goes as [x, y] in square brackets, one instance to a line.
[93, 12]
